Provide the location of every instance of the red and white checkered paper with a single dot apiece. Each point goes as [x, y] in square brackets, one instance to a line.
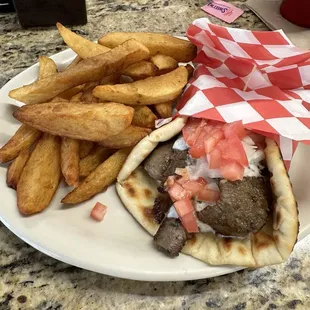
[258, 77]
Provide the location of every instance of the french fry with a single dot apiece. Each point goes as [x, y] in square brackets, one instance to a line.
[103, 176]
[40, 177]
[97, 156]
[16, 167]
[141, 70]
[23, 138]
[69, 160]
[87, 95]
[93, 122]
[68, 94]
[152, 90]
[88, 70]
[143, 117]
[85, 148]
[163, 63]
[129, 137]
[77, 97]
[180, 50]
[86, 49]
[164, 110]
[83, 47]
[110, 80]
[46, 67]
[74, 62]
[190, 71]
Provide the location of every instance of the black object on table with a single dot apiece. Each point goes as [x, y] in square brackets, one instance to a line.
[6, 6]
[33, 13]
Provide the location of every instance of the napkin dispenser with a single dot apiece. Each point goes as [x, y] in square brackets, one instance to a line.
[32, 13]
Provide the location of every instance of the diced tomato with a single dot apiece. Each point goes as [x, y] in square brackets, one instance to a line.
[192, 187]
[231, 170]
[207, 194]
[235, 128]
[185, 211]
[192, 130]
[170, 181]
[198, 149]
[202, 181]
[213, 139]
[182, 180]
[98, 212]
[232, 149]
[177, 192]
[215, 158]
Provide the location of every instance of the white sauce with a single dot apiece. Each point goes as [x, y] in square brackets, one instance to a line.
[172, 213]
[180, 144]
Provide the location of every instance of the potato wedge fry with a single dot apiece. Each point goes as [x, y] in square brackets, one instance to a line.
[87, 95]
[96, 157]
[129, 137]
[23, 138]
[93, 122]
[104, 175]
[143, 117]
[77, 97]
[16, 167]
[164, 63]
[86, 49]
[190, 71]
[88, 70]
[141, 70]
[180, 50]
[152, 90]
[85, 148]
[40, 177]
[69, 160]
[46, 67]
[83, 47]
[164, 110]
[110, 80]
[74, 62]
[68, 94]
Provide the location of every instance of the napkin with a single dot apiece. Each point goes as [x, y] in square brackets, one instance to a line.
[269, 12]
[258, 77]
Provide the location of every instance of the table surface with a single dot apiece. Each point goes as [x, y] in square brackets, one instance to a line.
[32, 280]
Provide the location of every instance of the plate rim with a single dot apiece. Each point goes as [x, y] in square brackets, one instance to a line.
[119, 272]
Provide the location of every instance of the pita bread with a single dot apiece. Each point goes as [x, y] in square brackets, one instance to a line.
[271, 245]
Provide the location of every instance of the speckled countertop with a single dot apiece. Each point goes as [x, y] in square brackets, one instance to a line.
[32, 280]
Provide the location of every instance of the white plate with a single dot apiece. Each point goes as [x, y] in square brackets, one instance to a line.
[118, 246]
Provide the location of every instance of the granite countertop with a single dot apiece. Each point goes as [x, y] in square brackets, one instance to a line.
[32, 280]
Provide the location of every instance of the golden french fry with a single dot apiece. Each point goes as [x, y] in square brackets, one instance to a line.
[40, 177]
[93, 122]
[87, 96]
[152, 90]
[85, 148]
[143, 117]
[104, 175]
[83, 47]
[110, 80]
[69, 161]
[46, 67]
[164, 110]
[141, 70]
[190, 71]
[180, 50]
[23, 138]
[75, 61]
[68, 94]
[88, 70]
[129, 137]
[164, 63]
[97, 156]
[77, 97]
[86, 49]
[59, 99]
[16, 167]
